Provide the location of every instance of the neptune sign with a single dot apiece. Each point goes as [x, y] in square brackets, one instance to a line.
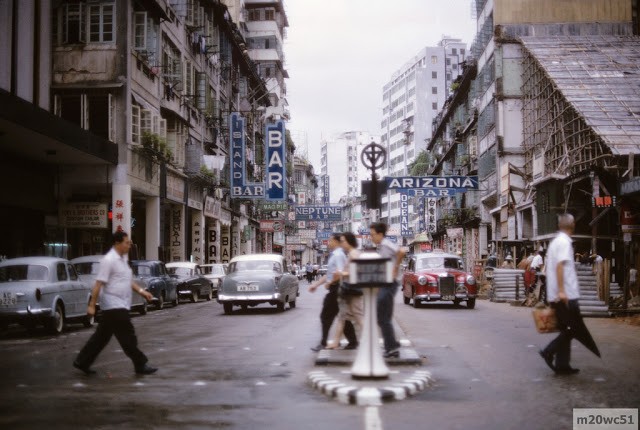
[275, 187]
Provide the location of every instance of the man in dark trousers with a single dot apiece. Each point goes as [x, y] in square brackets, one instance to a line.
[114, 285]
[563, 293]
[331, 281]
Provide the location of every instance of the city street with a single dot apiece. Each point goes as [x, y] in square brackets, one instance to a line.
[249, 371]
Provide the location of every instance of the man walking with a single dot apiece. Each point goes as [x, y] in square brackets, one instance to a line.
[387, 249]
[114, 285]
[563, 293]
[331, 281]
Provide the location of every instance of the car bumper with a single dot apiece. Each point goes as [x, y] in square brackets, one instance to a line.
[17, 315]
[256, 298]
[438, 296]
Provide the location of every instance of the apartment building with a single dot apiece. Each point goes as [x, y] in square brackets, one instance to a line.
[147, 87]
[411, 100]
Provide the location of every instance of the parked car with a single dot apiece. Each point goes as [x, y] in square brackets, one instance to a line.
[258, 278]
[323, 270]
[215, 273]
[191, 281]
[153, 275]
[87, 268]
[434, 276]
[42, 290]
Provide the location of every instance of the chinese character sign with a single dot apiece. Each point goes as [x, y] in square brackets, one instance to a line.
[121, 208]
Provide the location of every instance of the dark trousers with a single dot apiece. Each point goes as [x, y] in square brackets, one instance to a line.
[328, 314]
[570, 323]
[384, 307]
[113, 322]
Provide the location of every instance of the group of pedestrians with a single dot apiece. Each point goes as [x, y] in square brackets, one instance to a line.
[348, 305]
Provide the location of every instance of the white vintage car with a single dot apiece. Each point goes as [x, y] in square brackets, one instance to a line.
[258, 278]
[42, 290]
[87, 268]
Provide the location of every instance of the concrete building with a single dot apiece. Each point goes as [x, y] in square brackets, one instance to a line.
[411, 100]
[121, 109]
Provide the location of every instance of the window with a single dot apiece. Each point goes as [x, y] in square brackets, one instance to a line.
[461, 51]
[93, 112]
[269, 15]
[454, 51]
[434, 90]
[145, 35]
[448, 61]
[434, 106]
[101, 22]
[434, 59]
[434, 75]
[254, 15]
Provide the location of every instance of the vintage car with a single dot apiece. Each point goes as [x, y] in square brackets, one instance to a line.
[87, 268]
[258, 278]
[215, 273]
[436, 276]
[42, 290]
[153, 275]
[191, 281]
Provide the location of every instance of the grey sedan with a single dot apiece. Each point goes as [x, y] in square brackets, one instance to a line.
[258, 278]
[42, 290]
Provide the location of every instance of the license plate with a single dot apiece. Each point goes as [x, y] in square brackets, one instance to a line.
[247, 288]
[448, 297]
[8, 299]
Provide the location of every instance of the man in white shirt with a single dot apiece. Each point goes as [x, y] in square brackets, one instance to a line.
[114, 285]
[563, 293]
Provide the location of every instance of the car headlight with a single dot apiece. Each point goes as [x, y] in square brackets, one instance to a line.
[422, 280]
[471, 280]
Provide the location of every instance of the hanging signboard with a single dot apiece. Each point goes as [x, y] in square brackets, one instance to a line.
[433, 186]
[319, 213]
[237, 151]
[84, 215]
[276, 185]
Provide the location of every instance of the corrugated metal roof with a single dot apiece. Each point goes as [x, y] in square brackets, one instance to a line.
[600, 77]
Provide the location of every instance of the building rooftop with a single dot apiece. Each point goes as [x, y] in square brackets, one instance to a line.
[600, 77]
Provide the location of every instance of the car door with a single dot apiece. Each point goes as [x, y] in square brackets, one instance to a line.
[408, 277]
[65, 288]
[78, 290]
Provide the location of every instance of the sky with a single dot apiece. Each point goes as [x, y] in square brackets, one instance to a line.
[340, 53]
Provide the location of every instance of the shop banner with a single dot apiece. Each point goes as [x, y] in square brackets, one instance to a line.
[84, 215]
[319, 213]
[121, 209]
[276, 186]
[212, 244]
[197, 237]
[237, 153]
[225, 244]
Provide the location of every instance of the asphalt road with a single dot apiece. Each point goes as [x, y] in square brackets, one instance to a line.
[249, 371]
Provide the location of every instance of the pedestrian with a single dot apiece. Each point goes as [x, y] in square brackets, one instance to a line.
[350, 301]
[114, 285]
[563, 293]
[508, 262]
[308, 269]
[331, 281]
[384, 305]
[534, 268]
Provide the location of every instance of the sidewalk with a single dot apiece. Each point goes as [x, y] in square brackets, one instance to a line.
[407, 376]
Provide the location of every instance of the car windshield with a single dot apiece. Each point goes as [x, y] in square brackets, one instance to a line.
[88, 268]
[247, 266]
[24, 272]
[438, 263]
[141, 270]
[180, 271]
[213, 270]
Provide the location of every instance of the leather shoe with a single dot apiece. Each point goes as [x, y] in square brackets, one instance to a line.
[351, 346]
[146, 370]
[318, 347]
[567, 371]
[548, 358]
[85, 369]
[394, 353]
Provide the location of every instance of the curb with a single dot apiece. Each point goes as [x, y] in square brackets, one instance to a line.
[369, 395]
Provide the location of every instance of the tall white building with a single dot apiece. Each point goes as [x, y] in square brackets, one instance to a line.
[411, 100]
[340, 160]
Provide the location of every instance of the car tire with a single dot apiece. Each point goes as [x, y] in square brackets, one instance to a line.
[228, 308]
[292, 304]
[471, 303]
[160, 302]
[407, 300]
[55, 325]
[176, 302]
[280, 307]
[209, 295]
[416, 303]
[195, 297]
[142, 310]
[456, 302]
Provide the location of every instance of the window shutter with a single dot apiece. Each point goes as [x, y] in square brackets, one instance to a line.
[112, 118]
[155, 124]
[145, 121]
[84, 107]
[162, 128]
[140, 31]
[135, 124]
[201, 91]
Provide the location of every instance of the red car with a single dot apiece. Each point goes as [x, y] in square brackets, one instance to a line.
[438, 276]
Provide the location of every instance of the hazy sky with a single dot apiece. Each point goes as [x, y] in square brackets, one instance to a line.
[339, 54]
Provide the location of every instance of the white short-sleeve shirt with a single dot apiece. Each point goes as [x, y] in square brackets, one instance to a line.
[117, 276]
[561, 250]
